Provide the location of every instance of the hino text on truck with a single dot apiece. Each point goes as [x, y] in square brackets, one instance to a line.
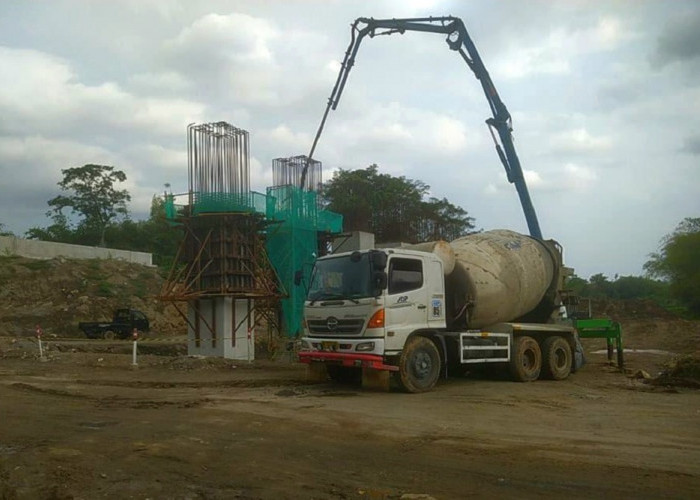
[416, 312]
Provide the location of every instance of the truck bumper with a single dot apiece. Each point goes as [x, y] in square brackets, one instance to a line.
[373, 361]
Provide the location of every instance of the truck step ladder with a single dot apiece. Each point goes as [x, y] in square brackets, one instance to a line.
[484, 347]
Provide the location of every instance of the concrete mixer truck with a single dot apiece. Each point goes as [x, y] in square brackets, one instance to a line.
[411, 314]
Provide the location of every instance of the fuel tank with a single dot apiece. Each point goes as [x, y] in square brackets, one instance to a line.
[501, 276]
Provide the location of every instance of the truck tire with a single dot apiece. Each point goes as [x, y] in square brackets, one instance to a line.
[345, 374]
[108, 335]
[525, 359]
[419, 365]
[557, 358]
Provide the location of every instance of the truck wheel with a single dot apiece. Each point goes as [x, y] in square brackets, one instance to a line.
[526, 359]
[344, 374]
[108, 335]
[557, 358]
[419, 365]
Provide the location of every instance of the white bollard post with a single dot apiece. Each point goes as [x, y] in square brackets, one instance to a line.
[39, 331]
[135, 336]
[249, 344]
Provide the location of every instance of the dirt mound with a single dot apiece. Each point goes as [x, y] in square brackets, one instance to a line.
[681, 372]
[59, 293]
[646, 325]
[630, 309]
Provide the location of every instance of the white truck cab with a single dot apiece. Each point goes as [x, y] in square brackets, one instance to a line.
[349, 311]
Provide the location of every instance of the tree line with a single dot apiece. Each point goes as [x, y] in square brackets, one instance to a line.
[672, 275]
[92, 210]
[395, 209]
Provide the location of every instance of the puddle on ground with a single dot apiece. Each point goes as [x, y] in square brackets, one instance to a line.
[638, 351]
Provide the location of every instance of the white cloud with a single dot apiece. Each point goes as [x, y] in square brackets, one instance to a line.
[167, 81]
[571, 178]
[533, 179]
[578, 177]
[406, 135]
[157, 156]
[284, 137]
[46, 96]
[260, 176]
[39, 159]
[228, 56]
[554, 53]
[449, 133]
[234, 37]
[579, 141]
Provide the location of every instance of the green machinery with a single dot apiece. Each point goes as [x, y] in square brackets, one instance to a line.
[604, 328]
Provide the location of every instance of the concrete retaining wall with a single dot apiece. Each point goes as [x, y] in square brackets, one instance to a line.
[34, 249]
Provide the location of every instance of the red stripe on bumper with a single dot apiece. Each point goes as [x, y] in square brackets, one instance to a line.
[357, 360]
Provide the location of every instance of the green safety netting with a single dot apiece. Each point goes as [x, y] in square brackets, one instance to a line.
[252, 202]
[329, 221]
[229, 202]
[170, 207]
[292, 243]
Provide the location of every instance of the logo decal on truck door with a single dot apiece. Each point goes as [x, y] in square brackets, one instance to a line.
[402, 300]
[436, 308]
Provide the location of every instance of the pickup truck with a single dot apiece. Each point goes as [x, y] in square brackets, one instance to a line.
[121, 326]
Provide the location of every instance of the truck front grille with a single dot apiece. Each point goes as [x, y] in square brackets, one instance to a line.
[340, 328]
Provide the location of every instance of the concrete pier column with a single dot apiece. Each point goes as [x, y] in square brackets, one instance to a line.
[221, 327]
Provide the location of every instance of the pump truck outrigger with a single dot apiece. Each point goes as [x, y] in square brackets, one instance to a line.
[415, 313]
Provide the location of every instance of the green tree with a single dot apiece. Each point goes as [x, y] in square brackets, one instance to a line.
[678, 262]
[577, 285]
[5, 232]
[599, 286]
[92, 195]
[154, 235]
[639, 287]
[59, 231]
[393, 208]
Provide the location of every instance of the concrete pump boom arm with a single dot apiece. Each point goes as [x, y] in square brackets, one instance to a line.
[457, 39]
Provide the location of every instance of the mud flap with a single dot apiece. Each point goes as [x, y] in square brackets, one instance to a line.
[376, 380]
[316, 372]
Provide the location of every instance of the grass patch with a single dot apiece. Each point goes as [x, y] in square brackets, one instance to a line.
[37, 265]
[105, 289]
[93, 270]
[140, 289]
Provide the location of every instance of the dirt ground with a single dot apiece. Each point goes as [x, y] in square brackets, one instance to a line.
[85, 424]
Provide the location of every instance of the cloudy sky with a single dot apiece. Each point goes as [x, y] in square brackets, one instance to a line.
[605, 98]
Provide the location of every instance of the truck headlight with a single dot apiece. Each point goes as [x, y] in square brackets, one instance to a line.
[305, 345]
[365, 346]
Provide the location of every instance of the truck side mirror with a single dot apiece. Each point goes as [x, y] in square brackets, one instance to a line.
[379, 259]
[298, 277]
[380, 281]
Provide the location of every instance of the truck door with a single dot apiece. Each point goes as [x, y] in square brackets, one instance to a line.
[407, 298]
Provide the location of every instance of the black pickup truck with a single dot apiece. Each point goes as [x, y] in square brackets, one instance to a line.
[121, 326]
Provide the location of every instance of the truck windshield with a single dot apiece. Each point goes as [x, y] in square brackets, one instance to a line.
[341, 278]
